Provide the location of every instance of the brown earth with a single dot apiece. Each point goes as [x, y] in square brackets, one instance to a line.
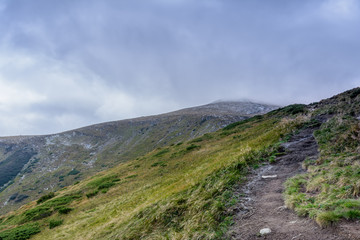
[262, 204]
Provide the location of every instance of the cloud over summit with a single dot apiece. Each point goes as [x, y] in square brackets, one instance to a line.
[65, 64]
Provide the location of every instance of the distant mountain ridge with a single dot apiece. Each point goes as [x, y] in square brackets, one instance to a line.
[246, 108]
[33, 165]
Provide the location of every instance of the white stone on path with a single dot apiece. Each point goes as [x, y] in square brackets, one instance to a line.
[268, 176]
[265, 231]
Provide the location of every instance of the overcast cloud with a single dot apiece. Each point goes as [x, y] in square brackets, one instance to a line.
[69, 63]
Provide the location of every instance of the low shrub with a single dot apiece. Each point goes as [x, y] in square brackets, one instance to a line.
[63, 200]
[65, 210]
[248, 120]
[55, 222]
[21, 232]
[36, 213]
[131, 176]
[325, 219]
[92, 194]
[106, 185]
[45, 197]
[73, 172]
[161, 152]
[192, 147]
[96, 183]
[161, 164]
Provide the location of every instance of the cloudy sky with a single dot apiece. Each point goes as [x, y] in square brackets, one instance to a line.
[69, 63]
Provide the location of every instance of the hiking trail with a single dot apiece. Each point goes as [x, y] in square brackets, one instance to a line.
[262, 205]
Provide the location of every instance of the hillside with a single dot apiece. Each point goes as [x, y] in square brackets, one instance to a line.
[213, 186]
[31, 166]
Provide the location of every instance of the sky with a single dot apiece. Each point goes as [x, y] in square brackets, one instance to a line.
[71, 63]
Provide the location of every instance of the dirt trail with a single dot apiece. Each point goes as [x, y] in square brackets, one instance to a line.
[262, 205]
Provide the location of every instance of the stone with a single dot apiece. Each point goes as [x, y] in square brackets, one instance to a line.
[265, 231]
[268, 176]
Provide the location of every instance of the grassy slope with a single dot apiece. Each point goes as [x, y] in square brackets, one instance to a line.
[330, 190]
[92, 149]
[178, 192]
[185, 191]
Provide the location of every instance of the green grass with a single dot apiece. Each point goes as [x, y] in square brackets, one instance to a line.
[181, 193]
[198, 212]
[84, 152]
[161, 164]
[330, 190]
[161, 152]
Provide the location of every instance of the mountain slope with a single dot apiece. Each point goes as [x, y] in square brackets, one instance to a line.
[191, 190]
[33, 165]
[179, 188]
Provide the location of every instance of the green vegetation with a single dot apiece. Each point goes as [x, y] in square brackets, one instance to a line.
[36, 213]
[290, 110]
[161, 164]
[21, 232]
[73, 172]
[294, 109]
[84, 152]
[237, 124]
[185, 191]
[47, 208]
[198, 212]
[13, 164]
[131, 176]
[178, 192]
[92, 193]
[192, 147]
[65, 210]
[102, 184]
[55, 223]
[98, 182]
[63, 200]
[355, 93]
[45, 197]
[205, 137]
[330, 190]
[161, 152]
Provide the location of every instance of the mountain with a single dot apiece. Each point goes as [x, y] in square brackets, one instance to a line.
[292, 173]
[31, 166]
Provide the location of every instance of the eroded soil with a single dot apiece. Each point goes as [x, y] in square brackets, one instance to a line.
[262, 204]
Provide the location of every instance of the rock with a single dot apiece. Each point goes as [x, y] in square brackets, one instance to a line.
[281, 208]
[268, 176]
[265, 231]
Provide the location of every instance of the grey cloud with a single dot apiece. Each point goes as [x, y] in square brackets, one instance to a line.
[154, 56]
